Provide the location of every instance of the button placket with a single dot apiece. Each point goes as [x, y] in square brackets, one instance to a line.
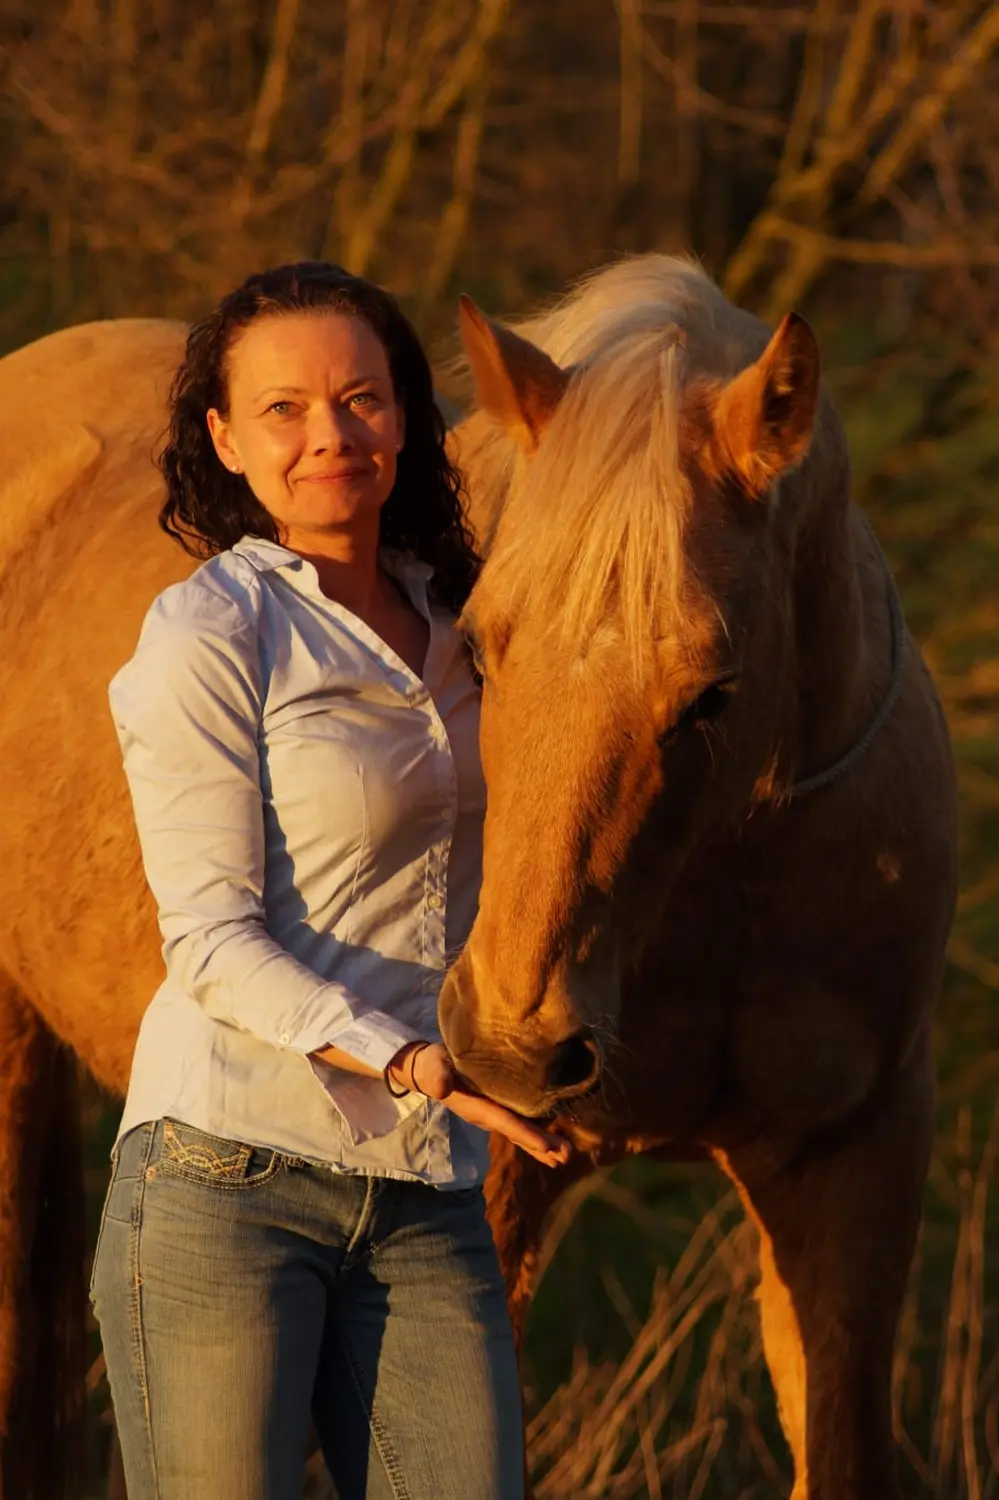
[435, 926]
[436, 904]
[439, 1165]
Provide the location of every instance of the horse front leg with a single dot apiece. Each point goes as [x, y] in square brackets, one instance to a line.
[25, 1067]
[838, 1221]
[519, 1193]
[42, 1292]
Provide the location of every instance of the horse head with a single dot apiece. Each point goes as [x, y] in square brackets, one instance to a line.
[639, 471]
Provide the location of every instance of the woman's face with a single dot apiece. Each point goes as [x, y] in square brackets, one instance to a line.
[313, 422]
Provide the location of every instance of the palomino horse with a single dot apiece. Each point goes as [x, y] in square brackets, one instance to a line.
[81, 559]
[720, 836]
[683, 626]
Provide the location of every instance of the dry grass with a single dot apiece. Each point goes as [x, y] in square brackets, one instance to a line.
[688, 1388]
[686, 1413]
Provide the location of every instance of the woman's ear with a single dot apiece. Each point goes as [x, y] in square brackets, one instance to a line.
[221, 437]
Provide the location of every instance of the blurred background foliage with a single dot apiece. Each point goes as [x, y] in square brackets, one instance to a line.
[838, 156]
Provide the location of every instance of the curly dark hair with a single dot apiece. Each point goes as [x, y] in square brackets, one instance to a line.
[208, 509]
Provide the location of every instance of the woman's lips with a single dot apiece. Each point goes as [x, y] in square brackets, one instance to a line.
[335, 474]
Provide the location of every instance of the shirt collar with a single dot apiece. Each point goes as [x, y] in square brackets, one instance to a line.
[264, 555]
[267, 556]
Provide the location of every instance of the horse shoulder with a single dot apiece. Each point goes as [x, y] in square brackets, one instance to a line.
[67, 402]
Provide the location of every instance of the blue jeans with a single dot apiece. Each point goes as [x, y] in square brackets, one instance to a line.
[240, 1291]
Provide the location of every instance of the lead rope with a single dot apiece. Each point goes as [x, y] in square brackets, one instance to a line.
[898, 654]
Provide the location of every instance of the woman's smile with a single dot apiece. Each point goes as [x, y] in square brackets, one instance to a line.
[336, 476]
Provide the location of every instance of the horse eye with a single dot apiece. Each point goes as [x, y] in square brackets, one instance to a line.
[712, 702]
[708, 705]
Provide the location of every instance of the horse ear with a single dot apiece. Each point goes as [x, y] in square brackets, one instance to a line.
[766, 416]
[515, 382]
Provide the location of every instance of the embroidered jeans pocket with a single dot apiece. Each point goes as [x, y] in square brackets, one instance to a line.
[213, 1161]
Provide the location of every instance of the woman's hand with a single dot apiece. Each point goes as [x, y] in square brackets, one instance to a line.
[426, 1068]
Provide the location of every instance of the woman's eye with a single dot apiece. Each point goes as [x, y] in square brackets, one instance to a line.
[363, 398]
[282, 408]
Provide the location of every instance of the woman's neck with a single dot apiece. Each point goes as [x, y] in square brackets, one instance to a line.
[346, 564]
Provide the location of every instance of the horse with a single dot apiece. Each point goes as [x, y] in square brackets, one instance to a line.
[719, 846]
[720, 851]
[81, 559]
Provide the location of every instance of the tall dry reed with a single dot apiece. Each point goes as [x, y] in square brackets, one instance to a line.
[688, 1414]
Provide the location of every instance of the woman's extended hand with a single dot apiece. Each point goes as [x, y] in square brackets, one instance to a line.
[427, 1069]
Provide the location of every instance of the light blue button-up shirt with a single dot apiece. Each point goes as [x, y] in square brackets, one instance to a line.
[310, 814]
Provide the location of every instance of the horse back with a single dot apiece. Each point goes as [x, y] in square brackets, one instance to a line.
[82, 414]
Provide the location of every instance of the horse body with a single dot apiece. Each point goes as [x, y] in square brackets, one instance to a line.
[753, 971]
[774, 954]
[73, 593]
[80, 561]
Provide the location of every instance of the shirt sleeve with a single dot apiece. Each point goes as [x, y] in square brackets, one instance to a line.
[187, 710]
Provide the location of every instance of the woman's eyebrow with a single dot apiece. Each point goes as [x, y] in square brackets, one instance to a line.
[288, 390]
[364, 380]
[301, 390]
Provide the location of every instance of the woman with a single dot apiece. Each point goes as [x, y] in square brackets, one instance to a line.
[295, 1219]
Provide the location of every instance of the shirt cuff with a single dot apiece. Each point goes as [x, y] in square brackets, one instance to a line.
[374, 1038]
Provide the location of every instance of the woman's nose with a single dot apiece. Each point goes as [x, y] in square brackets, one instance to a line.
[329, 430]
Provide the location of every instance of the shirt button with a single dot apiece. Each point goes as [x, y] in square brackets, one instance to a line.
[284, 1038]
[434, 901]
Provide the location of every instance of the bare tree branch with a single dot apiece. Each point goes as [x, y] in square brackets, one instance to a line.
[269, 102]
[455, 218]
[927, 111]
[630, 78]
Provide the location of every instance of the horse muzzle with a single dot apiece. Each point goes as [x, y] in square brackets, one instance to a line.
[520, 1064]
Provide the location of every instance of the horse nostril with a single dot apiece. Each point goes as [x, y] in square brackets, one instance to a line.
[577, 1063]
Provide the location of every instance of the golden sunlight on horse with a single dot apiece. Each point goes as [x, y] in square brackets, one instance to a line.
[720, 846]
[720, 836]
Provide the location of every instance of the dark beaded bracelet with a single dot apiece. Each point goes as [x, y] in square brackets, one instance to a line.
[401, 1094]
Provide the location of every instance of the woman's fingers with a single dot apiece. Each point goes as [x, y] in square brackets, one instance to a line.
[544, 1145]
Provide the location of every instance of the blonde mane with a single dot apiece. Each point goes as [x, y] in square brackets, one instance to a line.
[600, 511]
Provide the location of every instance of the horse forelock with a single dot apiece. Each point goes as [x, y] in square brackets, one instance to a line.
[595, 526]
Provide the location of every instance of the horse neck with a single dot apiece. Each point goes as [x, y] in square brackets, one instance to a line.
[838, 670]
